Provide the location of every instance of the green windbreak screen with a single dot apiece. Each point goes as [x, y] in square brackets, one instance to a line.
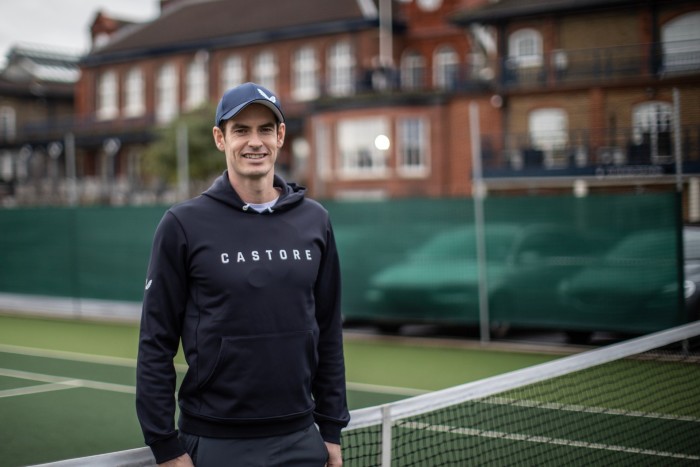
[82, 252]
[593, 263]
[598, 262]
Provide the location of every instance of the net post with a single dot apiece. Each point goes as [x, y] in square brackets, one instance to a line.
[386, 435]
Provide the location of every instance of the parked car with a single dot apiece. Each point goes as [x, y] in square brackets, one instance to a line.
[439, 283]
[635, 287]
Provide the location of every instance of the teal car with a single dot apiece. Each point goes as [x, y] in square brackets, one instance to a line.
[636, 286]
[523, 265]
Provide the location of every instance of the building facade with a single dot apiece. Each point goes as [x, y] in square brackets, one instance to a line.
[399, 98]
[36, 87]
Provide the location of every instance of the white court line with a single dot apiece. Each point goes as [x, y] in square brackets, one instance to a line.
[131, 363]
[586, 409]
[543, 440]
[35, 389]
[76, 356]
[73, 382]
[380, 389]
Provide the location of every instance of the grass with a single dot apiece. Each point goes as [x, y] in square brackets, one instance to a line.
[59, 424]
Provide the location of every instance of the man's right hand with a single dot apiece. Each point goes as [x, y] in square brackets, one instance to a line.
[182, 461]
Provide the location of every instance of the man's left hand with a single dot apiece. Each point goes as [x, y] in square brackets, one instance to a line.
[335, 458]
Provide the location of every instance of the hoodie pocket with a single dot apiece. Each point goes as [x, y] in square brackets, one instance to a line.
[258, 377]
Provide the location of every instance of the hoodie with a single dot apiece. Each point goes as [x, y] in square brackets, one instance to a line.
[254, 299]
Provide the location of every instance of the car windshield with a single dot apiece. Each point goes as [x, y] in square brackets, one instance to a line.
[461, 243]
[651, 244]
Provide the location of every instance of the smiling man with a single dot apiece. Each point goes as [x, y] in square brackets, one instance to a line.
[246, 278]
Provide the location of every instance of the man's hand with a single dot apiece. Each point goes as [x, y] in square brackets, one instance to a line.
[335, 459]
[182, 461]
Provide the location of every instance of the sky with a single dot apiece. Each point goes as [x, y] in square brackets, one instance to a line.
[63, 25]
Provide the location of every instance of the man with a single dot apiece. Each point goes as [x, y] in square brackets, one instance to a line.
[246, 276]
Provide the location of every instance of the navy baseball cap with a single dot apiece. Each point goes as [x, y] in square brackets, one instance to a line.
[236, 99]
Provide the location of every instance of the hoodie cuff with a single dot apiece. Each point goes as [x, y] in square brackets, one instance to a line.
[330, 432]
[167, 449]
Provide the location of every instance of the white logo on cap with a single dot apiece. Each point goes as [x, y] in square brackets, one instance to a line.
[269, 98]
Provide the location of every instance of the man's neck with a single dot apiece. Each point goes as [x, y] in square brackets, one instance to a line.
[254, 190]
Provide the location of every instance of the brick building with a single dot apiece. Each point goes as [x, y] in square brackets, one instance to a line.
[378, 92]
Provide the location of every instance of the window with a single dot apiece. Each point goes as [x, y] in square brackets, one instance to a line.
[525, 48]
[413, 138]
[362, 145]
[196, 81]
[652, 131]
[305, 74]
[8, 123]
[341, 69]
[107, 107]
[166, 93]
[265, 70]
[412, 71]
[548, 137]
[445, 68]
[232, 73]
[322, 141]
[134, 97]
[681, 42]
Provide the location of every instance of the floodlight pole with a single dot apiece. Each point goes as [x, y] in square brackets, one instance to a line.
[386, 53]
[478, 193]
[183, 171]
[680, 253]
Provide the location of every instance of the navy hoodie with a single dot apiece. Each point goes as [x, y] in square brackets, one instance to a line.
[255, 300]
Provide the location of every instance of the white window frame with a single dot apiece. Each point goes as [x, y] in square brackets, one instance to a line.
[548, 129]
[232, 72]
[196, 81]
[412, 70]
[445, 67]
[134, 93]
[525, 48]
[107, 95]
[413, 146]
[167, 106]
[341, 69]
[652, 118]
[680, 40]
[305, 81]
[265, 69]
[358, 155]
[8, 123]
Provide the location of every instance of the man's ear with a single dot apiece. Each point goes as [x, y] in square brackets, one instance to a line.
[281, 130]
[218, 138]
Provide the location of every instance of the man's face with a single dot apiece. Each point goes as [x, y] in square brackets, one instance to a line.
[250, 141]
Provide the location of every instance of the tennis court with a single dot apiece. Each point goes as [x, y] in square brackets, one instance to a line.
[67, 387]
[634, 403]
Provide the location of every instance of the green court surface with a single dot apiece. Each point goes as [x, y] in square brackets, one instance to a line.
[67, 387]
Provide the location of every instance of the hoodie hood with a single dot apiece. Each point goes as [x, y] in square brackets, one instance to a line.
[221, 190]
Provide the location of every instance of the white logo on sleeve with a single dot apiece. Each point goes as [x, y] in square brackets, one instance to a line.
[269, 98]
[148, 284]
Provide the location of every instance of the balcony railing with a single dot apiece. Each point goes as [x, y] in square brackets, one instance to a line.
[558, 68]
[603, 64]
[591, 152]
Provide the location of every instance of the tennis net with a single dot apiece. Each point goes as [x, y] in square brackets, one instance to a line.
[632, 403]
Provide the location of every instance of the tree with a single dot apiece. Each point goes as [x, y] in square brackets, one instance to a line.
[205, 161]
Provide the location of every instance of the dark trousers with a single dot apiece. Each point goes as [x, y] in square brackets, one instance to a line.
[303, 448]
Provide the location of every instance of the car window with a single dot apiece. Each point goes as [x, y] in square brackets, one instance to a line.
[461, 243]
[647, 245]
[691, 243]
